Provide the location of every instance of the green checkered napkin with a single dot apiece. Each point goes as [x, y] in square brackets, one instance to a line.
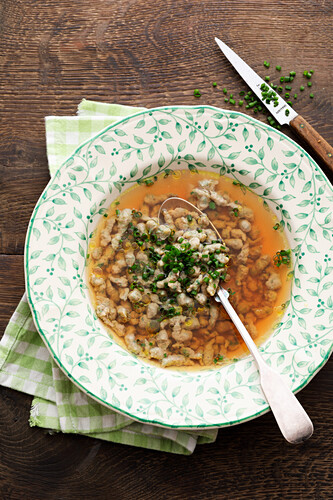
[25, 363]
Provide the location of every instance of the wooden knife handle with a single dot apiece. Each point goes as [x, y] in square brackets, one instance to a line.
[304, 130]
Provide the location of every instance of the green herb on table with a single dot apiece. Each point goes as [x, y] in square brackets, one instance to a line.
[197, 93]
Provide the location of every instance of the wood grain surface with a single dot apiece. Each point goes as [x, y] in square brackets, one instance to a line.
[144, 52]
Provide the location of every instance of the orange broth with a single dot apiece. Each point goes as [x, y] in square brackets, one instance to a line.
[181, 183]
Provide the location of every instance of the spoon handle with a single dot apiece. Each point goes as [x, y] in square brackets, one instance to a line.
[289, 414]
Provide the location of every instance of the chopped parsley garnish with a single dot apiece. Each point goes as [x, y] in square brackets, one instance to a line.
[282, 257]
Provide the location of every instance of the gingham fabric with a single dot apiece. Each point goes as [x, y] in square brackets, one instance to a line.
[25, 363]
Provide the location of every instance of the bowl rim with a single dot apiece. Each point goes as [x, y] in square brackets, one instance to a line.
[33, 310]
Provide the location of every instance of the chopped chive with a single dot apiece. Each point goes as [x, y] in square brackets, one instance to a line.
[291, 79]
[282, 257]
[288, 87]
[287, 112]
[226, 100]
[287, 95]
[214, 84]
[290, 103]
[282, 79]
[280, 89]
[267, 78]
[287, 78]
[259, 108]
[232, 101]
[255, 110]
[240, 103]
[242, 92]
[295, 96]
[225, 91]
[212, 205]
[302, 88]
[292, 73]
[312, 95]
[278, 68]
[266, 64]
[311, 71]
[231, 96]
[197, 93]
[309, 84]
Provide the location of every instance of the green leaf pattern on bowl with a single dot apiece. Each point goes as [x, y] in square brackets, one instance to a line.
[135, 149]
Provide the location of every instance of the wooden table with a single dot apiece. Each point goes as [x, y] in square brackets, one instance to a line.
[144, 52]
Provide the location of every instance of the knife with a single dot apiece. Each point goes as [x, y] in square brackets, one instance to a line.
[302, 128]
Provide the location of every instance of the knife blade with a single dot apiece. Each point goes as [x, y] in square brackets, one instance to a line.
[254, 82]
[297, 122]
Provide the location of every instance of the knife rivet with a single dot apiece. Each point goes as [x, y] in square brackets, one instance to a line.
[302, 125]
[329, 155]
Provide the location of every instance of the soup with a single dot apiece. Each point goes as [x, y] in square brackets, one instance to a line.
[153, 285]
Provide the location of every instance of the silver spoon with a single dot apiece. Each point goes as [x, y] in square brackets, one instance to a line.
[289, 414]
